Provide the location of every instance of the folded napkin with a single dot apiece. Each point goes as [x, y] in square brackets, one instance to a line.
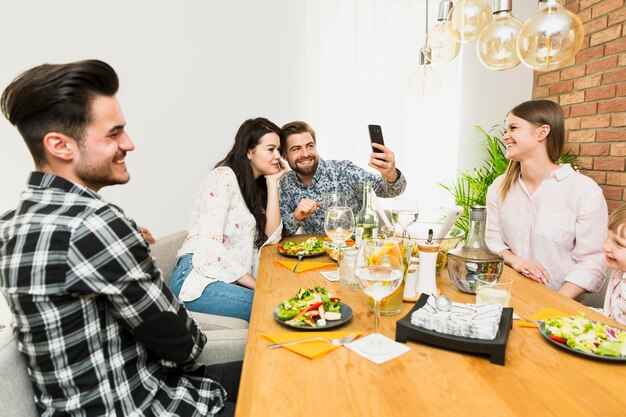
[548, 313]
[394, 349]
[311, 350]
[305, 265]
[464, 320]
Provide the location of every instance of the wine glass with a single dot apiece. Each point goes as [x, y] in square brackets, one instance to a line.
[334, 199]
[339, 226]
[404, 212]
[379, 270]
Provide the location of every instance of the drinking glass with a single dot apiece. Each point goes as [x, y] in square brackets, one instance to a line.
[493, 289]
[339, 226]
[404, 212]
[334, 199]
[379, 270]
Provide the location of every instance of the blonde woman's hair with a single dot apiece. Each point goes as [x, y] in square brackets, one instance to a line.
[617, 219]
[537, 113]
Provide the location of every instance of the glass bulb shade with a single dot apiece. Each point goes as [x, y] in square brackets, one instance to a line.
[424, 83]
[497, 45]
[551, 38]
[469, 18]
[442, 43]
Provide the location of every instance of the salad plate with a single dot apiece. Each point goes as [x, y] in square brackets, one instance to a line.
[543, 329]
[310, 248]
[346, 315]
[284, 252]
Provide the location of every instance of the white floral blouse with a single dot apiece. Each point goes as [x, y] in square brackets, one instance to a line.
[615, 301]
[221, 235]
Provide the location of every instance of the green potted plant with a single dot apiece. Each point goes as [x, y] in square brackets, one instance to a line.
[470, 187]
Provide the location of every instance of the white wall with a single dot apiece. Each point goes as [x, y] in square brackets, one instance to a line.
[191, 71]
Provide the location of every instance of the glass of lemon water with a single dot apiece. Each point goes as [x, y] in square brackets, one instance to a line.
[493, 289]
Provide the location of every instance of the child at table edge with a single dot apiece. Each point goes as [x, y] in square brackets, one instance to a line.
[614, 248]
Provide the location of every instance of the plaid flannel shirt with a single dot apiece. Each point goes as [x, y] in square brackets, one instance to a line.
[101, 333]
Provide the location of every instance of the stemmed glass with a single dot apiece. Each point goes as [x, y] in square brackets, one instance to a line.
[339, 226]
[404, 212]
[379, 270]
[333, 199]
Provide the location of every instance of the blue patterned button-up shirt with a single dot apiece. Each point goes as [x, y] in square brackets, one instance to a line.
[330, 176]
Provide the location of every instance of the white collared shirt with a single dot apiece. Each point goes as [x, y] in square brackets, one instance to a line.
[562, 225]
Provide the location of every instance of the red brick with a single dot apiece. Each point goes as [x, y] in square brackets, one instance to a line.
[617, 16]
[588, 54]
[606, 35]
[605, 7]
[563, 87]
[608, 164]
[613, 205]
[540, 92]
[611, 135]
[618, 149]
[618, 119]
[590, 122]
[584, 109]
[572, 123]
[586, 3]
[595, 149]
[614, 47]
[587, 82]
[620, 91]
[572, 6]
[597, 176]
[616, 178]
[548, 78]
[614, 76]
[586, 42]
[600, 93]
[612, 192]
[573, 72]
[571, 98]
[585, 162]
[621, 60]
[585, 15]
[566, 111]
[615, 105]
[581, 136]
[603, 64]
[595, 24]
[574, 149]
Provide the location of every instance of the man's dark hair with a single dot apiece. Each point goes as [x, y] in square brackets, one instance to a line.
[293, 128]
[56, 98]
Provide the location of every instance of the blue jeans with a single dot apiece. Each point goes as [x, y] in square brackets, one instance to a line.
[219, 298]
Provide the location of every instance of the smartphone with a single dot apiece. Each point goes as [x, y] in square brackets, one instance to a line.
[376, 136]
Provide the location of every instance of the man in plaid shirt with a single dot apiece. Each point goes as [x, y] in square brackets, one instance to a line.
[101, 333]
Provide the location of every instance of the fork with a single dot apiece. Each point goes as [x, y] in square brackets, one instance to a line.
[300, 255]
[537, 322]
[337, 342]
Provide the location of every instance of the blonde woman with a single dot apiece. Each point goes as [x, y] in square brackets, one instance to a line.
[547, 220]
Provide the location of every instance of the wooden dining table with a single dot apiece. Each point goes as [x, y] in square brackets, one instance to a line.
[538, 378]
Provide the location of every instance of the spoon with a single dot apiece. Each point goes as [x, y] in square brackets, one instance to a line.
[300, 255]
[443, 303]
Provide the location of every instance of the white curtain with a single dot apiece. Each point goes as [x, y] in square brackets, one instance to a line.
[360, 55]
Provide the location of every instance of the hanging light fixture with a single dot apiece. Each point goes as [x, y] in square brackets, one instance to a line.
[551, 38]
[469, 18]
[497, 45]
[440, 40]
[424, 83]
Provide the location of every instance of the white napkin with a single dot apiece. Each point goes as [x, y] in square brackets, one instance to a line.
[396, 350]
[332, 276]
[464, 320]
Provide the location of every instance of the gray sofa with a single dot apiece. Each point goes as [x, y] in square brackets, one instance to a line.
[226, 342]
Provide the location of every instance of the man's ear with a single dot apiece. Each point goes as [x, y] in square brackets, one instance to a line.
[57, 145]
[543, 131]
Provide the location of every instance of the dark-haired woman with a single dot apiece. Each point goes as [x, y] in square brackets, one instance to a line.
[547, 220]
[235, 213]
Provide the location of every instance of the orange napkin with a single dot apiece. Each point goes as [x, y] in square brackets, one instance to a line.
[312, 350]
[548, 313]
[349, 241]
[305, 265]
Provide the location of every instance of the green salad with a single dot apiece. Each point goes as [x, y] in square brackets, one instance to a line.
[310, 246]
[587, 336]
[310, 308]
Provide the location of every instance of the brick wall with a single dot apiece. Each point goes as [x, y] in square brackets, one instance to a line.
[592, 92]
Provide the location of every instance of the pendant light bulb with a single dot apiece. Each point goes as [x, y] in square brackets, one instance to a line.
[551, 38]
[469, 18]
[441, 40]
[497, 45]
[424, 83]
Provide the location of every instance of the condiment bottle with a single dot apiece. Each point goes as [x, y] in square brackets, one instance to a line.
[366, 220]
[427, 275]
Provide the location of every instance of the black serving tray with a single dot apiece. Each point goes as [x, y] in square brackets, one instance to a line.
[494, 348]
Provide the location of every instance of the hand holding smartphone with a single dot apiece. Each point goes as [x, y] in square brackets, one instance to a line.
[376, 136]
